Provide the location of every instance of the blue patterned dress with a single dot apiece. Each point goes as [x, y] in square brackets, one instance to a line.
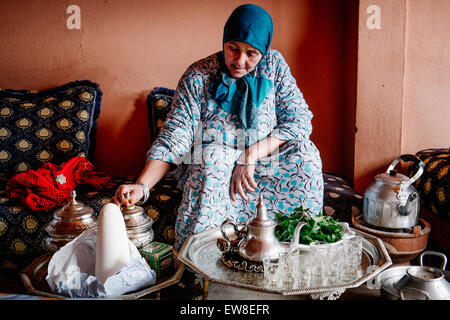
[205, 141]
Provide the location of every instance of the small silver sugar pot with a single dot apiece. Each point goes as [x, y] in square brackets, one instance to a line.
[138, 224]
[424, 281]
[68, 223]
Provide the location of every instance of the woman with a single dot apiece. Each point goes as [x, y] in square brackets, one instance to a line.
[238, 126]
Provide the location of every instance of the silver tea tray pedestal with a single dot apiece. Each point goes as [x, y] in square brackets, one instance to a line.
[201, 254]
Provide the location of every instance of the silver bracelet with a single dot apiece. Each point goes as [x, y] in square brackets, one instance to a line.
[245, 163]
[146, 193]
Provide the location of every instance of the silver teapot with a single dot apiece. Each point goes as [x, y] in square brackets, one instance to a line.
[259, 242]
[391, 201]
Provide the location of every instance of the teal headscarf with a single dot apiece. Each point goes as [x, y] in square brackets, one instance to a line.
[251, 24]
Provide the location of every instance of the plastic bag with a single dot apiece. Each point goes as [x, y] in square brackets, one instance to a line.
[71, 271]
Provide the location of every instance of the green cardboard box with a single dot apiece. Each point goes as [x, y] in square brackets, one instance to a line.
[160, 257]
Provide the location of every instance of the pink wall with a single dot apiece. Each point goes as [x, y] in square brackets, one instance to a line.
[403, 83]
[379, 91]
[426, 115]
[129, 47]
[375, 94]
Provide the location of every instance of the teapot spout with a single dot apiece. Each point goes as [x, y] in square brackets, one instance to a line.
[404, 210]
[296, 238]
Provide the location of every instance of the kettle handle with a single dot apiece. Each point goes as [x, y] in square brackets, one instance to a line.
[407, 158]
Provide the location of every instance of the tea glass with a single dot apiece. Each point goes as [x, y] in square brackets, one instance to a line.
[352, 258]
[335, 258]
[273, 272]
[305, 265]
[290, 276]
[319, 268]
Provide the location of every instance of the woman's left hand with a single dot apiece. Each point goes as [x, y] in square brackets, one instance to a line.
[241, 178]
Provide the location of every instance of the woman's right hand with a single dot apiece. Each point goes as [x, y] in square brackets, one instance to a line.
[135, 194]
[153, 171]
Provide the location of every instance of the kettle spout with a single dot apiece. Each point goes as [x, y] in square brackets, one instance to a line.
[404, 209]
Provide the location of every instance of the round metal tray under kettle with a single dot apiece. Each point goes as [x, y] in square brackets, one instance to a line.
[414, 282]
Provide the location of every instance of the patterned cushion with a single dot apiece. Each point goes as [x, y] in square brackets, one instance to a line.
[433, 185]
[340, 200]
[51, 125]
[159, 102]
[22, 234]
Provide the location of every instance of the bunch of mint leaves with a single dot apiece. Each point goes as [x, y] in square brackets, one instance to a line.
[318, 228]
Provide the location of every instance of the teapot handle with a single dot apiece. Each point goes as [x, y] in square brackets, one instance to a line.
[224, 234]
[407, 158]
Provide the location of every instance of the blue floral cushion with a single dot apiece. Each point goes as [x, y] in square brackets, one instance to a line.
[52, 125]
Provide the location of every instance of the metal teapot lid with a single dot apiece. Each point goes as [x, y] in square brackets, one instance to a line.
[73, 210]
[261, 220]
[135, 217]
[68, 222]
[138, 224]
[393, 177]
[71, 218]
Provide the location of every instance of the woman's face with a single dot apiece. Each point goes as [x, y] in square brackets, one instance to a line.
[240, 58]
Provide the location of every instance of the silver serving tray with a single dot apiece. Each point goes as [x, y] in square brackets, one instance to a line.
[33, 278]
[200, 253]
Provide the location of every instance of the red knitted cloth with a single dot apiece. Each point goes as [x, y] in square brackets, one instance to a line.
[50, 185]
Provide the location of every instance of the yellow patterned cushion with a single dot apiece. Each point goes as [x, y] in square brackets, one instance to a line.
[51, 125]
[434, 183]
[159, 102]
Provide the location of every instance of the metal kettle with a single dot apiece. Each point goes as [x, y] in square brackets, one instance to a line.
[260, 241]
[391, 201]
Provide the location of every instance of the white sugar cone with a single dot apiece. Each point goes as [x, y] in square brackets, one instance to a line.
[112, 248]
